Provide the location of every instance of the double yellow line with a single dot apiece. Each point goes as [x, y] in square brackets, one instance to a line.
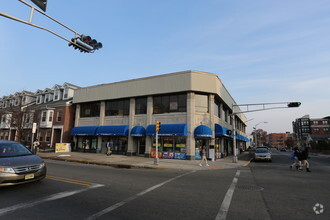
[79, 182]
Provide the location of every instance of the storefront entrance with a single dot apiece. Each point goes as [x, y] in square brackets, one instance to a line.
[141, 145]
[87, 144]
[199, 144]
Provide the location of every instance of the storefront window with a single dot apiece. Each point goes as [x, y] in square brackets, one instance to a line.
[119, 145]
[170, 147]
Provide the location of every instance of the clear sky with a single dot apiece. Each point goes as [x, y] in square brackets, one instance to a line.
[264, 51]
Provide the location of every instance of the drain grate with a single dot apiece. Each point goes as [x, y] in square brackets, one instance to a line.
[250, 188]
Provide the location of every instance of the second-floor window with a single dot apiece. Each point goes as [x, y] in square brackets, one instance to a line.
[169, 103]
[59, 116]
[118, 107]
[51, 116]
[43, 117]
[90, 109]
[141, 105]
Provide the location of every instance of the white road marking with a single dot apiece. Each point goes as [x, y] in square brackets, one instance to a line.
[222, 214]
[55, 196]
[119, 204]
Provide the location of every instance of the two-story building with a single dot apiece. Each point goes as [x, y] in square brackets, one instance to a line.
[194, 108]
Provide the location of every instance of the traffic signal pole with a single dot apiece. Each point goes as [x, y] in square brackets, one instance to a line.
[233, 115]
[156, 161]
[73, 41]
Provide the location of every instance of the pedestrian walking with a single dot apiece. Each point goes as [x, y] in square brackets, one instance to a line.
[109, 152]
[35, 146]
[295, 155]
[203, 155]
[303, 160]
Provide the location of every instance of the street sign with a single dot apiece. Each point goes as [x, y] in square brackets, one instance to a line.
[34, 128]
[41, 4]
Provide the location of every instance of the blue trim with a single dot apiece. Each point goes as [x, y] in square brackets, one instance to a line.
[138, 131]
[168, 130]
[113, 130]
[84, 131]
[203, 131]
[221, 131]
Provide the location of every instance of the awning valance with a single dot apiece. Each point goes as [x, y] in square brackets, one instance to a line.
[167, 130]
[138, 131]
[203, 131]
[84, 131]
[112, 130]
[221, 131]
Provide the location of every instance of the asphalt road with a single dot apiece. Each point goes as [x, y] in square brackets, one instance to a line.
[259, 191]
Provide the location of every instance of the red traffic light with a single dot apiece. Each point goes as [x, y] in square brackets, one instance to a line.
[85, 39]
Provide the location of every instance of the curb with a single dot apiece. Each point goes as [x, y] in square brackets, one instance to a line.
[115, 165]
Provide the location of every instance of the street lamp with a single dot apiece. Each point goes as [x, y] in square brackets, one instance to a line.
[255, 132]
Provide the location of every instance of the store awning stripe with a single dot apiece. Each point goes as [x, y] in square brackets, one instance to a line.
[84, 131]
[112, 130]
[138, 131]
[202, 131]
[167, 130]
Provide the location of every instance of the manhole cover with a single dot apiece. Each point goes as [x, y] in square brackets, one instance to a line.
[251, 188]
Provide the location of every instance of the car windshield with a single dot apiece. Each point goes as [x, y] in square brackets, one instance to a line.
[262, 150]
[13, 150]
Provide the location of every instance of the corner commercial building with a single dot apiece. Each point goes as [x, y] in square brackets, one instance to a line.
[194, 109]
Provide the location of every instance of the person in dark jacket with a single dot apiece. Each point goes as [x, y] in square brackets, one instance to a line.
[303, 159]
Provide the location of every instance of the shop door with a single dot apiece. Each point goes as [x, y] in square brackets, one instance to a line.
[57, 136]
[141, 146]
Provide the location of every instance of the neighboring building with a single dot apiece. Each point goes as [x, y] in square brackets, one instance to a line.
[320, 128]
[277, 140]
[260, 137]
[50, 109]
[194, 109]
[308, 130]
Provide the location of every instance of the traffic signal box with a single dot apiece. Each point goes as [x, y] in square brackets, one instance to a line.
[158, 125]
[294, 104]
[85, 44]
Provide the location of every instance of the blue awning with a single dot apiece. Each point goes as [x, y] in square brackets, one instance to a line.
[239, 137]
[168, 130]
[112, 130]
[221, 131]
[84, 131]
[138, 131]
[203, 131]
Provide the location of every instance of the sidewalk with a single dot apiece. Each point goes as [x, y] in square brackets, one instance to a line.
[122, 161]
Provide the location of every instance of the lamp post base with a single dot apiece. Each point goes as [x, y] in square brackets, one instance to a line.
[156, 160]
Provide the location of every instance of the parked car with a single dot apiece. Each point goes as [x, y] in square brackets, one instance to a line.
[262, 154]
[19, 165]
[283, 149]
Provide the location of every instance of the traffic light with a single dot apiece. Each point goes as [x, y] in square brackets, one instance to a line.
[294, 104]
[91, 42]
[80, 46]
[158, 125]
